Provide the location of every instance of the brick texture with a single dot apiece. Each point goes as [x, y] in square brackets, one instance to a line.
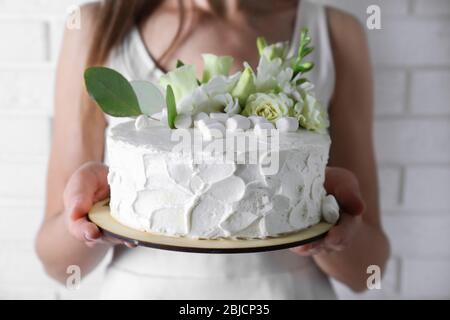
[429, 92]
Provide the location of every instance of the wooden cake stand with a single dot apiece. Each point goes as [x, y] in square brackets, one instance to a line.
[100, 215]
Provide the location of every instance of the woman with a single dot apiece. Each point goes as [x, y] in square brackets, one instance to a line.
[141, 39]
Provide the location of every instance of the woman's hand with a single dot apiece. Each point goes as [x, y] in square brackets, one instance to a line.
[85, 187]
[344, 186]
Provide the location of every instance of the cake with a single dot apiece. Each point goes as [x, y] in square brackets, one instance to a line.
[230, 156]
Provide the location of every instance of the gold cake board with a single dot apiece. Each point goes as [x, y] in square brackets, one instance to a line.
[100, 215]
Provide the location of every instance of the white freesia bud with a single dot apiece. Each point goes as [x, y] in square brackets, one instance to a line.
[141, 122]
[263, 128]
[287, 124]
[221, 117]
[183, 121]
[330, 209]
[238, 122]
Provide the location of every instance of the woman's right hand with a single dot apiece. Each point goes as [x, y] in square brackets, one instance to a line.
[86, 186]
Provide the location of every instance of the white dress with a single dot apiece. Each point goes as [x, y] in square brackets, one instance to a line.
[144, 273]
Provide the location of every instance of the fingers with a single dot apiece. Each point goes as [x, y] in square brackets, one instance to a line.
[339, 237]
[83, 230]
[344, 186]
[85, 187]
[111, 241]
[309, 249]
[87, 232]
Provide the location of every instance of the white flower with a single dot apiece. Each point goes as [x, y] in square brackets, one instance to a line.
[311, 114]
[267, 73]
[203, 98]
[231, 104]
[268, 105]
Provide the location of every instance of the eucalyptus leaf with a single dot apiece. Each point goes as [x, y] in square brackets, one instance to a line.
[112, 92]
[150, 98]
[171, 107]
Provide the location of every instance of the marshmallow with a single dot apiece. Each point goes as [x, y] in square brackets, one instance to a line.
[222, 117]
[238, 122]
[263, 128]
[330, 209]
[204, 122]
[160, 115]
[141, 122]
[200, 116]
[257, 119]
[287, 124]
[183, 121]
[213, 130]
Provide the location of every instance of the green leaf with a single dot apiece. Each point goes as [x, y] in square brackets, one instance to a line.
[306, 51]
[304, 67]
[112, 92]
[171, 107]
[150, 98]
[305, 40]
[301, 66]
[301, 81]
[261, 44]
[179, 64]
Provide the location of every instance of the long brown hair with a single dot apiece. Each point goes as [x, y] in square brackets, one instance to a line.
[115, 19]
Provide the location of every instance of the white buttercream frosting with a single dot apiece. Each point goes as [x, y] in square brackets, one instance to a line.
[330, 209]
[155, 187]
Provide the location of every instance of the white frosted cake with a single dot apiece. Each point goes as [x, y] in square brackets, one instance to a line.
[158, 190]
[224, 156]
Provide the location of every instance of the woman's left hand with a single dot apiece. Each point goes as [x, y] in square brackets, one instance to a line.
[343, 185]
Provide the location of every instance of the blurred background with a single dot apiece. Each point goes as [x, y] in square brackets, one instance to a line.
[411, 57]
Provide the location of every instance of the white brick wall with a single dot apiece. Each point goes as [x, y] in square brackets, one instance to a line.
[412, 132]
[411, 56]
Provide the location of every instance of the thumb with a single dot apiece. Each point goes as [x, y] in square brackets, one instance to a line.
[344, 186]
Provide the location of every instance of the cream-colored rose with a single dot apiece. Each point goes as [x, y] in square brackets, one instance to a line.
[268, 105]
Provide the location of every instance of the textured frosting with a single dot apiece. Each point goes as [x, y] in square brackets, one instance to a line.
[155, 187]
